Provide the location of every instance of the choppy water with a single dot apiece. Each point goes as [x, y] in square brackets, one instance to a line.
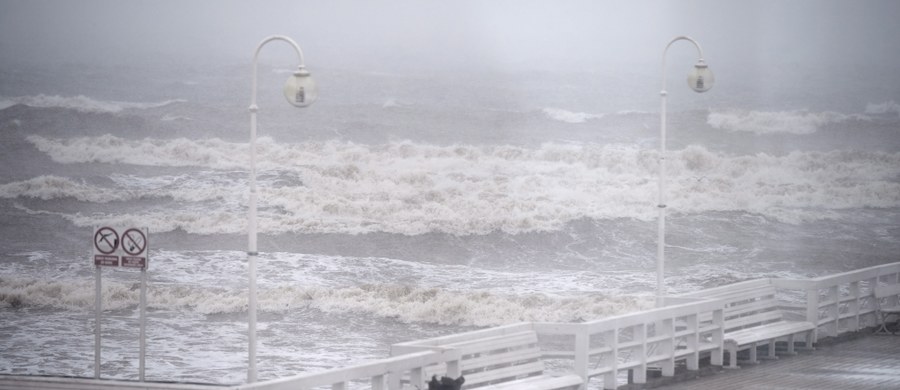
[398, 207]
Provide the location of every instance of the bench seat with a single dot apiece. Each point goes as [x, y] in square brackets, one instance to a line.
[753, 318]
[504, 359]
[750, 338]
[765, 332]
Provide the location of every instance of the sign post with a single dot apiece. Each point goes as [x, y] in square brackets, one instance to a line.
[128, 250]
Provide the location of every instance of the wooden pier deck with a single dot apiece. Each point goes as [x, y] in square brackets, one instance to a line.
[865, 362]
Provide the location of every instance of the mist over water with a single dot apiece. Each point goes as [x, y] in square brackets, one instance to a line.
[465, 166]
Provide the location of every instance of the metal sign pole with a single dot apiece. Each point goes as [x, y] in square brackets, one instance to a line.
[132, 251]
[97, 303]
[143, 321]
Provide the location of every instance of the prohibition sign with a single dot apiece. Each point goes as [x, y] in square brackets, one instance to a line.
[106, 240]
[134, 242]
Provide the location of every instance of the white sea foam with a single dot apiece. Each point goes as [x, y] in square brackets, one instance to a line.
[776, 122]
[55, 187]
[405, 303]
[883, 108]
[177, 152]
[81, 103]
[410, 188]
[569, 116]
[172, 118]
[180, 188]
[478, 308]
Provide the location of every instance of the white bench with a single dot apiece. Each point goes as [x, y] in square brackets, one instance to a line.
[752, 319]
[503, 360]
[886, 305]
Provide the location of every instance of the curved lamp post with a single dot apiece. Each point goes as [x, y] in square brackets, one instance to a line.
[300, 91]
[700, 79]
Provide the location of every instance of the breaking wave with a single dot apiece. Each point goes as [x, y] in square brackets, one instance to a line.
[776, 122]
[180, 152]
[409, 188]
[404, 303]
[81, 103]
[569, 116]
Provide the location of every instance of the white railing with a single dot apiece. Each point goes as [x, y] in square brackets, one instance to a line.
[840, 303]
[379, 374]
[688, 326]
[605, 348]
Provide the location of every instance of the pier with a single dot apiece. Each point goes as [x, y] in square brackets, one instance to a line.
[758, 334]
[864, 361]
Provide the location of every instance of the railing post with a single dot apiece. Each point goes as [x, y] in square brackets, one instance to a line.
[812, 310]
[854, 324]
[393, 380]
[611, 339]
[453, 369]
[641, 334]
[416, 376]
[833, 311]
[718, 338]
[378, 382]
[582, 345]
[693, 342]
[870, 302]
[668, 365]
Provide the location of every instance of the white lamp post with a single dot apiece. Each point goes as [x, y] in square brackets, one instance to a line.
[700, 79]
[300, 91]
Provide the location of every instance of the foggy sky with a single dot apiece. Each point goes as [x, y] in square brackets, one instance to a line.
[460, 34]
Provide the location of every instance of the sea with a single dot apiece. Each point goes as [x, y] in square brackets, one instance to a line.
[413, 203]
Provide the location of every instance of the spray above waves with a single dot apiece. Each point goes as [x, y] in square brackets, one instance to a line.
[409, 188]
[569, 116]
[778, 122]
[180, 152]
[81, 103]
[888, 107]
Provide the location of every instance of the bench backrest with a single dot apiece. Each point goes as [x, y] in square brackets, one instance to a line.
[499, 358]
[886, 291]
[750, 307]
[493, 358]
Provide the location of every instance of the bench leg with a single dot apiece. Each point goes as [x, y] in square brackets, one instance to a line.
[609, 381]
[753, 358]
[882, 328]
[790, 348]
[668, 367]
[716, 357]
[809, 341]
[640, 374]
[732, 356]
[771, 354]
[693, 361]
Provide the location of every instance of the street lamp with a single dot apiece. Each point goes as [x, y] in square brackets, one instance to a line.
[300, 91]
[700, 79]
